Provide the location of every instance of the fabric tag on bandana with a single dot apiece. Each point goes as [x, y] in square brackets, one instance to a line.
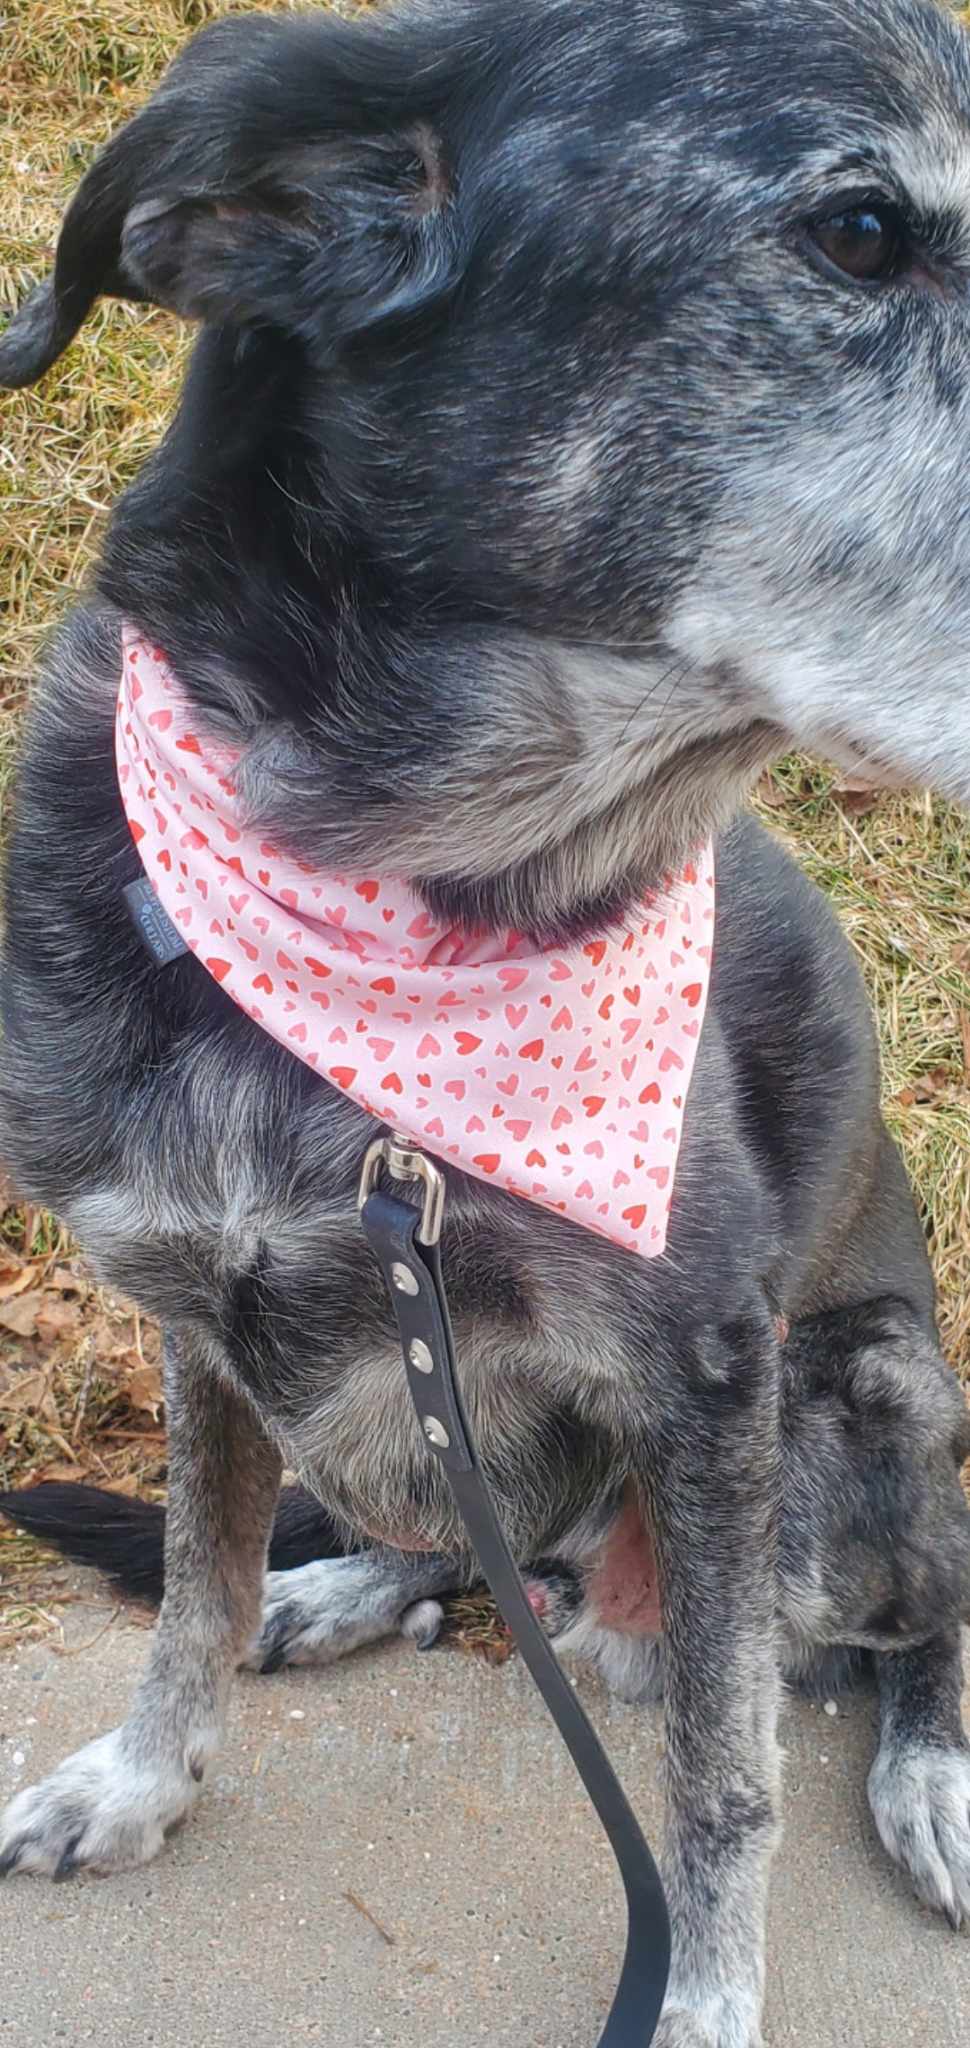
[159, 936]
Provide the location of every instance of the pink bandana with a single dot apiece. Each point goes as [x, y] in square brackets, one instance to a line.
[561, 1076]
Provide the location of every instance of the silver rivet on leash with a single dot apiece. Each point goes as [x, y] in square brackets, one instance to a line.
[436, 1432]
[404, 1279]
[420, 1355]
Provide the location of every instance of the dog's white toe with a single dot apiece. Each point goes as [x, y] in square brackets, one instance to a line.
[920, 1799]
[102, 1810]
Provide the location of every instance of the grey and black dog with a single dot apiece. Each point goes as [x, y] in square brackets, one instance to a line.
[581, 414]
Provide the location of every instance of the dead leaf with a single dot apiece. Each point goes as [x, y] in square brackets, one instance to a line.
[855, 796]
[56, 1317]
[20, 1315]
[15, 1275]
[68, 1282]
[143, 1388]
[926, 1087]
[771, 793]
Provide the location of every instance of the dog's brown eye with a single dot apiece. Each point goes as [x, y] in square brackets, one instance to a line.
[865, 242]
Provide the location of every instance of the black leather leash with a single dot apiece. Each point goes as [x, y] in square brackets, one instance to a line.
[405, 1241]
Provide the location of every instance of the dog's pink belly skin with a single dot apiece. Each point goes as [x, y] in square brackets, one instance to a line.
[623, 1589]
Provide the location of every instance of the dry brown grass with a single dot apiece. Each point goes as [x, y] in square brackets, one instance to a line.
[899, 872]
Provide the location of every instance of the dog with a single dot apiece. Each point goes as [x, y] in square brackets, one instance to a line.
[579, 418]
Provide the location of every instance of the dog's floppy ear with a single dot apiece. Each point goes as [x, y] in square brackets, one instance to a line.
[324, 241]
[277, 178]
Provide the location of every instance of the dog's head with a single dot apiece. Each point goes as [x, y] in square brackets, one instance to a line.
[582, 415]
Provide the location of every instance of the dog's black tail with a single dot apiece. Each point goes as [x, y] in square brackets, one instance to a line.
[125, 1539]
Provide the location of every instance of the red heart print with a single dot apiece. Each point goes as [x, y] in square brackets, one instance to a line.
[298, 1031]
[422, 927]
[593, 1104]
[519, 1127]
[338, 1035]
[435, 1129]
[595, 951]
[533, 1050]
[669, 1058]
[628, 1068]
[455, 1088]
[512, 977]
[263, 981]
[560, 1116]
[381, 1048]
[621, 1179]
[651, 1093]
[384, 986]
[637, 1216]
[474, 1124]
[509, 1085]
[165, 859]
[586, 1060]
[488, 1161]
[218, 968]
[606, 1006]
[563, 1020]
[515, 1014]
[344, 1076]
[559, 971]
[394, 1083]
[594, 1148]
[318, 967]
[283, 960]
[188, 744]
[661, 1174]
[429, 1044]
[369, 891]
[585, 1191]
[534, 1158]
[632, 993]
[467, 1042]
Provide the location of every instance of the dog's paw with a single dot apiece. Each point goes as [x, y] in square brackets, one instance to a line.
[103, 1809]
[319, 1612]
[679, 2028]
[920, 1800]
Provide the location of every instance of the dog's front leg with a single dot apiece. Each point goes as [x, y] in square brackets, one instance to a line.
[110, 1806]
[713, 1477]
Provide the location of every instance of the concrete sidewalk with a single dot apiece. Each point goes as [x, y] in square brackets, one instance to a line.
[429, 1793]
